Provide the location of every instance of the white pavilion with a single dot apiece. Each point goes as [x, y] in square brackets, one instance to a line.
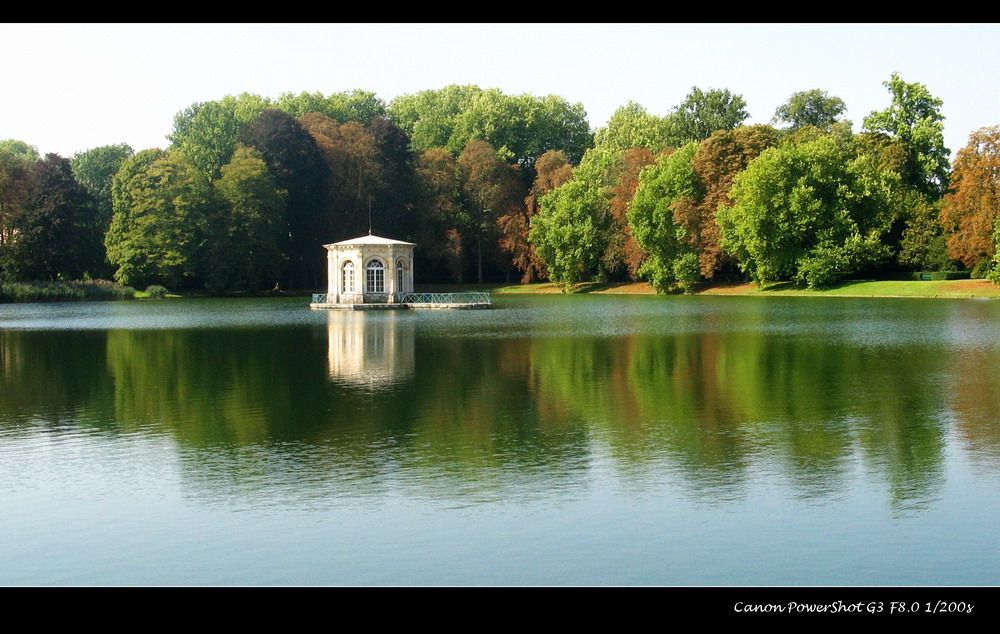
[372, 272]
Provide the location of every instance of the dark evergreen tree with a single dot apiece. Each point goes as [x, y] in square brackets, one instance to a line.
[442, 220]
[490, 188]
[54, 234]
[353, 172]
[396, 192]
[297, 164]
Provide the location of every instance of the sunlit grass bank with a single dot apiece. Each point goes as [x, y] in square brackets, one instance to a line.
[871, 288]
[105, 290]
[859, 288]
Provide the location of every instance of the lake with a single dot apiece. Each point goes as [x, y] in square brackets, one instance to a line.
[554, 440]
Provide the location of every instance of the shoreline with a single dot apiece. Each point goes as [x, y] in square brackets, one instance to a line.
[937, 289]
[894, 289]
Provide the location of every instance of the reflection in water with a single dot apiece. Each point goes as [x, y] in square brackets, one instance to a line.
[373, 350]
[713, 396]
[638, 440]
[54, 379]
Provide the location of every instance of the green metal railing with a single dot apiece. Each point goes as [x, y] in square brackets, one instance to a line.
[422, 298]
[447, 298]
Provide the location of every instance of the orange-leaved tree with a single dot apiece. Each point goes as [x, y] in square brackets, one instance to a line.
[971, 205]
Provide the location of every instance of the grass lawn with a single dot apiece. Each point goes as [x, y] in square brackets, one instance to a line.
[859, 288]
[871, 288]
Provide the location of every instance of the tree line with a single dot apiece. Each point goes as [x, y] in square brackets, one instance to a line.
[510, 187]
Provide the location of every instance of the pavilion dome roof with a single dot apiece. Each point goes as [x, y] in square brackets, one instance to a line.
[370, 239]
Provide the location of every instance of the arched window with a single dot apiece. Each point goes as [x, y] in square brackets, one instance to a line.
[375, 280]
[400, 276]
[347, 285]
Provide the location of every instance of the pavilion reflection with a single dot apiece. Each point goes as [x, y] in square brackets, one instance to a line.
[370, 350]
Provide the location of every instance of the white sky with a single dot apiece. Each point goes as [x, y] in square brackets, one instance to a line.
[72, 87]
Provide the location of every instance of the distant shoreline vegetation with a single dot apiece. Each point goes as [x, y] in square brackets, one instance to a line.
[103, 290]
[498, 187]
[88, 290]
[937, 288]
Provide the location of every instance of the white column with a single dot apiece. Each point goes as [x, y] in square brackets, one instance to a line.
[390, 272]
[331, 275]
[409, 271]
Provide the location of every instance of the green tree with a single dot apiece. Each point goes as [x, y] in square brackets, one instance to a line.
[552, 169]
[924, 244]
[429, 117]
[95, 169]
[54, 233]
[123, 190]
[495, 118]
[208, 132]
[162, 208]
[915, 118]
[247, 241]
[558, 223]
[703, 112]
[351, 105]
[568, 232]
[808, 212]
[631, 126]
[20, 150]
[664, 190]
[810, 108]
[555, 124]
[520, 127]
[916, 234]
[15, 162]
[993, 274]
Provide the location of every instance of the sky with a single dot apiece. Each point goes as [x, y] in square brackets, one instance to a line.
[73, 87]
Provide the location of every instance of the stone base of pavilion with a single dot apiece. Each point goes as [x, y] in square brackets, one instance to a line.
[401, 306]
[432, 301]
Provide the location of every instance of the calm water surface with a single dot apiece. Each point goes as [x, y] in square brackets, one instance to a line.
[555, 440]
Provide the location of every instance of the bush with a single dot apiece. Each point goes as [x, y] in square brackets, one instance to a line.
[687, 272]
[64, 291]
[982, 269]
[823, 267]
[827, 265]
[156, 291]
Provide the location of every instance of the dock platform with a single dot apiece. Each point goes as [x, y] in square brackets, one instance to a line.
[411, 301]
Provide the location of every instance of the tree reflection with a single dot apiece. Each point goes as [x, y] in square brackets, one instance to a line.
[711, 398]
